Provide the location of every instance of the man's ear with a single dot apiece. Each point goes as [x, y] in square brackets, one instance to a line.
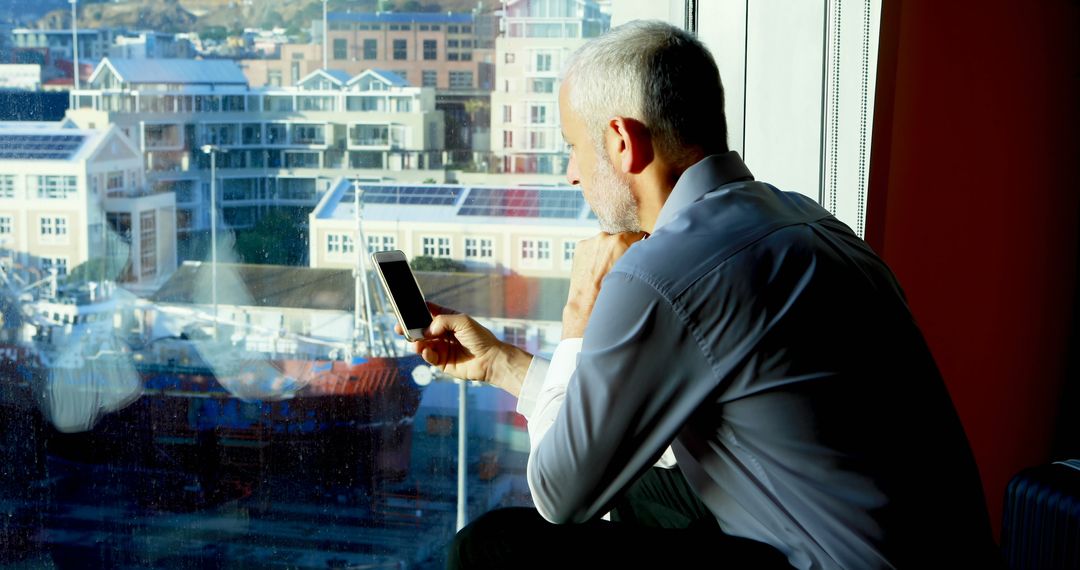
[629, 144]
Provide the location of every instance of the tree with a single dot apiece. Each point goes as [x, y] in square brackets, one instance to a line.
[278, 238]
[440, 264]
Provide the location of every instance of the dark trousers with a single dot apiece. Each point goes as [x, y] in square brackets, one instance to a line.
[658, 522]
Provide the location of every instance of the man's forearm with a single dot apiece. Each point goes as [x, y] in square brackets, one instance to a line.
[508, 370]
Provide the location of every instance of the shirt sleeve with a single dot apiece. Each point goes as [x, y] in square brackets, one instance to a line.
[632, 390]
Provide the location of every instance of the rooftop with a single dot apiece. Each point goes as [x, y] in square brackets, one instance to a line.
[526, 205]
[401, 17]
[47, 141]
[175, 71]
[481, 295]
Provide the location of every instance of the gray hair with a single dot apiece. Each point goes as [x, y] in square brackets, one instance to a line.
[655, 73]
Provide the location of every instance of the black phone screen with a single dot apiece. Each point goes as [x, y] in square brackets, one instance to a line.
[407, 296]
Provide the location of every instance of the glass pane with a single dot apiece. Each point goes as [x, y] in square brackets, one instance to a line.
[197, 364]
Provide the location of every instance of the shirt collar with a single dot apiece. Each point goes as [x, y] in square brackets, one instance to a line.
[703, 177]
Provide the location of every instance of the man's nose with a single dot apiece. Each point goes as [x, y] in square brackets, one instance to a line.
[572, 175]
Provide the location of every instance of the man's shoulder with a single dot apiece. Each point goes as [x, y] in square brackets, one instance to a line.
[716, 233]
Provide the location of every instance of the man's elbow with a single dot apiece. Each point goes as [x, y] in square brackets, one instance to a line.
[556, 508]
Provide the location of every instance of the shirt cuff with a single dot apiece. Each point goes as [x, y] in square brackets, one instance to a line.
[530, 387]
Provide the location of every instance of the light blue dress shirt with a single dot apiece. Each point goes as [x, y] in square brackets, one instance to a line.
[774, 352]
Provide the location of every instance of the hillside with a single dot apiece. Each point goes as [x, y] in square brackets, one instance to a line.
[233, 15]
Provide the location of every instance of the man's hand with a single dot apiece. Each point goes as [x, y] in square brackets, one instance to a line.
[464, 349]
[593, 259]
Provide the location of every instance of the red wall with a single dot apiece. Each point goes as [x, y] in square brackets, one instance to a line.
[974, 185]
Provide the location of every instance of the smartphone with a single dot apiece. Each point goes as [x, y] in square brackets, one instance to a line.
[404, 292]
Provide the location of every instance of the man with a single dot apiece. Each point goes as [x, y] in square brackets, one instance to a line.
[751, 332]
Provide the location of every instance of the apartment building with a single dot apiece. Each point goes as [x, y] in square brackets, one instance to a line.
[276, 145]
[446, 51]
[70, 195]
[538, 37]
[522, 230]
[44, 47]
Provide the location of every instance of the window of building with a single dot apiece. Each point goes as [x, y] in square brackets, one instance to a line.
[340, 49]
[451, 43]
[536, 140]
[53, 229]
[535, 252]
[58, 263]
[509, 57]
[7, 225]
[515, 335]
[461, 79]
[452, 56]
[114, 180]
[56, 187]
[7, 185]
[479, 249]
[466, 56]
[537, 114]
[568, 248]
[377, 242]
[508, 139]
[401, 49]
[147, 244]
[543, 62]
[333, 244]
[466, 29]
[451, 29]
[430, 49]
[542, 86]
[371, 49]
[429, 78]
[508, 113]
[434, 246]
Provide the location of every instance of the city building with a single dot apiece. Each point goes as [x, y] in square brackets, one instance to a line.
[442, 50]
[151, 45]
[538, 37]
[527, 231]
[278, 146]
[70, 195]
[44, 47]
[25, 76]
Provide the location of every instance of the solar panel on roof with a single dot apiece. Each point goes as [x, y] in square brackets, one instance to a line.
[39, 146]
[523, 203]
[407, 195]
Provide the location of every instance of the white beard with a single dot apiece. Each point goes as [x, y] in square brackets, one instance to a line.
[614, 205]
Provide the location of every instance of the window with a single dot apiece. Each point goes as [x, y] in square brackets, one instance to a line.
[466, 56]
[536, 140]
[56, 187]
[568, 248]
[7, 225]
[508, 139]
[381, 243]
[508, 113]
[451, 29]
[509, 57]
[147, 245]
[543, 62]
[542, 86]
[537, 114]
[461, 79]
[515, 335]
[60, 264]
[53, 229]
[371, 49]
[430, 51]
[333, 244]
[479, 249]
[429, 78]
[535, 252]
[114, 180]
[451, 43]
[400, 49]
[7, 185]
[436, 246]
[340, 49]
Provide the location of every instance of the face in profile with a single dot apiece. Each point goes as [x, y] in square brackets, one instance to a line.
[606, 191]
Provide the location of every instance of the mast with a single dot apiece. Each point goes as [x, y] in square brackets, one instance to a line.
[360, 278]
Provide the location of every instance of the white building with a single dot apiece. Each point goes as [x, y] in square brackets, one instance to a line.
[538, 37]
[151, 45]
[528, 231]
[281, 146]
[25, 76]
[69, 195]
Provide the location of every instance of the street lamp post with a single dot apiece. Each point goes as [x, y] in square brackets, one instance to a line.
[75, 42]
[212, 150]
